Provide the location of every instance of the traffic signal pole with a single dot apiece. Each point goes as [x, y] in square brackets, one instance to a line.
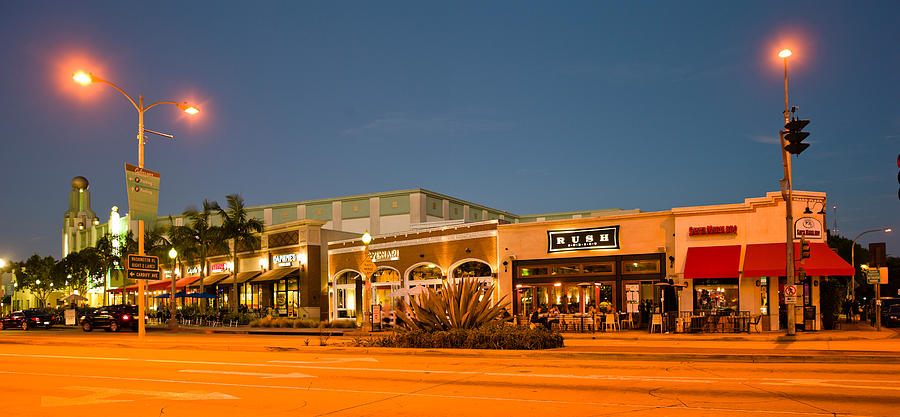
[787, 194]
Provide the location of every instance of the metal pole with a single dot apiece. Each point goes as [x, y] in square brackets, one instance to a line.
[788, 207]
[141, 329]
[878, 307]
[140, 135]
[173, 322]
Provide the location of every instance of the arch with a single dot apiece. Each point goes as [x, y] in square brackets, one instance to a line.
[337, 276]
[452, 272]
[376, 276]
[430, 266]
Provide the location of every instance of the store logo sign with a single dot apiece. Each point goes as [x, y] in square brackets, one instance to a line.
[217, 268]
[712, 230]
[385, 255]
[284, 260]
[192, 270]
[583, 239]
[808, 227]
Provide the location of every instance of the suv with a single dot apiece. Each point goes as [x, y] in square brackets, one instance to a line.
[893, 316]
[111, 318]
[26, 319]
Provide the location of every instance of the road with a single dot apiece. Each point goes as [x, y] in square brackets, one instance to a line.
[70, 373]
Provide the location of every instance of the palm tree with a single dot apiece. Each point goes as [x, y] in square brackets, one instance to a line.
[203, 236]
[241, 231]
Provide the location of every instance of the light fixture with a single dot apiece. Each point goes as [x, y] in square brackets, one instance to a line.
[83, 78]
[366, 238]
[188, 108]
[785, 53]
[96, 221]
[807, 210]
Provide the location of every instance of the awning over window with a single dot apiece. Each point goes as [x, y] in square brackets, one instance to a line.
[242, 277]
[211, 280]
[704, 262]
[183, 282]
[276, 274]
[767, 260]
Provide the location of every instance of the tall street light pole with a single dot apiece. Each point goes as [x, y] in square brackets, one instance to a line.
[173, 322]
[853, 279]
[787, 194]
[89, 78]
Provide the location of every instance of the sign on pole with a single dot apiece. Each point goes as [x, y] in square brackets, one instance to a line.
[368, 267]
[143, 193]
[873, 276]
[143, 267]
[790, 294]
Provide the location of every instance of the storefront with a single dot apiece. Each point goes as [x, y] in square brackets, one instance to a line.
[408, 263]
[599, 264]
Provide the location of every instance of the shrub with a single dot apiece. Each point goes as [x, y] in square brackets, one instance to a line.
[491, 336]
[463, 304]
[341, 324]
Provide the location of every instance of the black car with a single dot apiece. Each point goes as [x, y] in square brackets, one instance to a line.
[892, 318]
[26, 319]
[111, 318]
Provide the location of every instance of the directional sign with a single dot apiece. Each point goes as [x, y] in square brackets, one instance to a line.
[873, 276]
[143, 262]
[140, 274]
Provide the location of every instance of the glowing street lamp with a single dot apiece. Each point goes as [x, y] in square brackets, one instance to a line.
[173, 322]
[89, 78]
[784, 53]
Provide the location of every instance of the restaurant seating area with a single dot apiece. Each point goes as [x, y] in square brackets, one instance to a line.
[671, 322]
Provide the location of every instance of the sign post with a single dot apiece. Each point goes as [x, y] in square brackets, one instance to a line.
[141, 268]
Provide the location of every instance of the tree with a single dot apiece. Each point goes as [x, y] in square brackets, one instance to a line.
[107, 258]
[203, 236]
[74, 269]
[37, 275]
[242, 231]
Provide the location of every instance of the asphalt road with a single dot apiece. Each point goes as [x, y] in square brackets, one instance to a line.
[68, 373]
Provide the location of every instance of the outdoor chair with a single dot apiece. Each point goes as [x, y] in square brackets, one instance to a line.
[656, 321]
[754, 324]
[628, 322]
[612, 322]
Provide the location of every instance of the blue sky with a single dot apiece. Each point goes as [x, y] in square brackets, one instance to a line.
[528, 107]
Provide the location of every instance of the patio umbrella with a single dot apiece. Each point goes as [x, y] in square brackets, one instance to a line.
[203, 295]
[74, 297]
[418, 289]
[161, 296]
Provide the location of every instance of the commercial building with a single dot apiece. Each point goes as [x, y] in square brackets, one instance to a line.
[704, 259]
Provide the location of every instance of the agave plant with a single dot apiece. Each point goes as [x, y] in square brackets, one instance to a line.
[458, 305]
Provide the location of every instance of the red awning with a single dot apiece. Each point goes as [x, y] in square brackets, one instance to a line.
[183, 282]
[712, 262]
[767, 260]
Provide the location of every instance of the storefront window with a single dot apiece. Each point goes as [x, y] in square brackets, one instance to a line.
[386, 275]
[640, 267]
[565, 270]
[345, 295]
[764, 296]
[716, 295]
[472, 269]
[605, 268]
[426, 272]
[533, 271]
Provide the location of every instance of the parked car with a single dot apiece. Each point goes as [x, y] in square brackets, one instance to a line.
[893, 316]
[111, 318]
[26, 319]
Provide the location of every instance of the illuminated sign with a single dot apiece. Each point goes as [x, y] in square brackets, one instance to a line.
[284, 260]
[583, 239]
[385, 255]
[217, 268]
[807, 227]
[712, 230]
[191, 270]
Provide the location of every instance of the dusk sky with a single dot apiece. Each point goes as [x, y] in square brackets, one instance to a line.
[528, 107]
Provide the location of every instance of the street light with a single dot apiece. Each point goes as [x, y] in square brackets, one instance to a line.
[787, 194]
[89, 78]
[853, 258]
[173, 255]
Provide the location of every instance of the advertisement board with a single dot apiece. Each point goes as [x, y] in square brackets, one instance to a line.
[143, 193]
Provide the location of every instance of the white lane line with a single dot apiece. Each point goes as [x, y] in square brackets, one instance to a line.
[330, 360]
[64, 357]
[669, 379]
[263, 375]
[677, 406]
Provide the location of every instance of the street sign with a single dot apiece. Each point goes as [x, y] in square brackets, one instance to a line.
[790, 291]
[142, 186]
[368, 267]
[140, 274]
[143, 262]
[791, 299]
[873, 276]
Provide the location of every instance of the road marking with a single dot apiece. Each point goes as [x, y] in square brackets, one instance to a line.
[65, 357]
[330, 360]
[676, 406]
[670, 379]
[826, 383]
[263, 375]
[99, 395]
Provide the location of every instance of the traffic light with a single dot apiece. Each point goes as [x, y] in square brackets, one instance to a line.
[804, 248]
[793, 133]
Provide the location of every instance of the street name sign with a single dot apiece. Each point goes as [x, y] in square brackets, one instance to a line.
[143, 267]
[873, 276]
